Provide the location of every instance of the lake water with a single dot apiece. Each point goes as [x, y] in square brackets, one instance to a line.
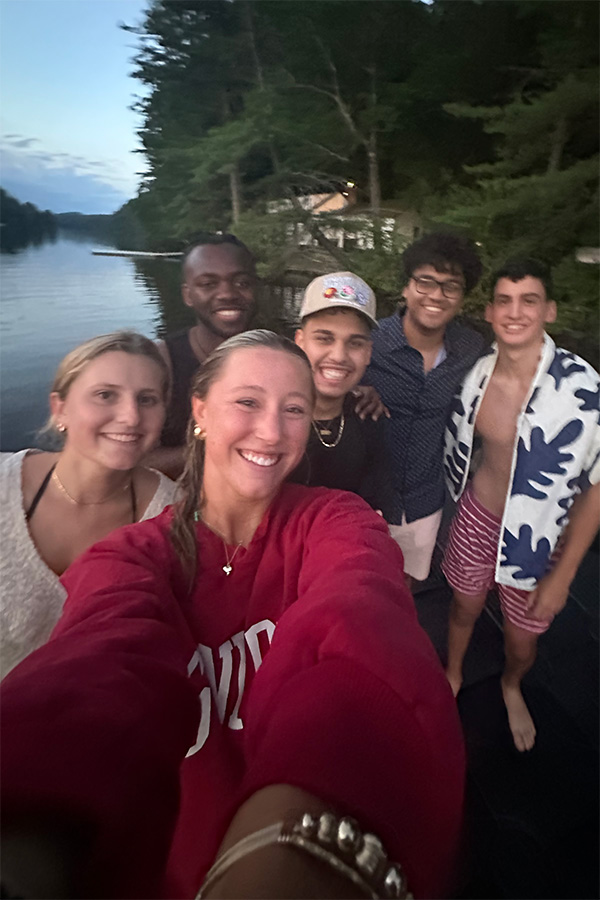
[57, 294]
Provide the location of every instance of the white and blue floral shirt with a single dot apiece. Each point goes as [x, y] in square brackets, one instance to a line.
[556, 455]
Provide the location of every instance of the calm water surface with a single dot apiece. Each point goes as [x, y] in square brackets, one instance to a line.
[56, 295]
[53, 297]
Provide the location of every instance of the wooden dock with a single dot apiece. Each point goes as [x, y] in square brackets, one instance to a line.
[137, 254]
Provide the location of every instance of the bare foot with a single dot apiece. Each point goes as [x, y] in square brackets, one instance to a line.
[519, 718]
[455, 681]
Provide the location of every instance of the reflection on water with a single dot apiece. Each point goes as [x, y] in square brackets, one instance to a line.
[161, 278]
[277, 307]
[56, 295]
[14, 238]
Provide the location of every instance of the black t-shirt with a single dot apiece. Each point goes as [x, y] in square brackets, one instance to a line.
[184, 365]
[359, 463]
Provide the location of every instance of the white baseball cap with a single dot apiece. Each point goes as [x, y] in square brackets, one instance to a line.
[339, 289]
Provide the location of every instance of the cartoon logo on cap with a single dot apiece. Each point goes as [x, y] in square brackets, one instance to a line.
[346, 293]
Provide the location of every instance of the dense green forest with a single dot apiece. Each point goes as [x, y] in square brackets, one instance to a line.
[481, 116]
[23, 223]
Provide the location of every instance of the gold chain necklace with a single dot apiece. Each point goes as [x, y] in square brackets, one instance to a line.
[339, 434]
[228, 567]
[62, 488]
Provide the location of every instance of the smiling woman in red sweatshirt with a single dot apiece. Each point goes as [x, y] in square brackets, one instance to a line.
[248, 657]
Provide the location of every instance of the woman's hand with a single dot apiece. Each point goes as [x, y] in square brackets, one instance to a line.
[277, 871]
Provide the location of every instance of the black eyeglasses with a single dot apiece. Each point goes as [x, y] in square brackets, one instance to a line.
[425, 284]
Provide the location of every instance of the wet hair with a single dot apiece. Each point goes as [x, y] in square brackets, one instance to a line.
[208, 239]
[183, 531]
[446, 252]
[73, 364]
[520, 267]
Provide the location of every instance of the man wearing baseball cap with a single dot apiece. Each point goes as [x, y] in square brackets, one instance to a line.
[337, 316]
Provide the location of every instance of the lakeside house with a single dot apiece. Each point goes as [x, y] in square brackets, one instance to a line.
[349, 225]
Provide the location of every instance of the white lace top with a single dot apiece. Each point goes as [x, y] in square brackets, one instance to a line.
[32, 597]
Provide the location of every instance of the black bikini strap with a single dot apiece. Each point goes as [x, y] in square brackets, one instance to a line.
[39, 494]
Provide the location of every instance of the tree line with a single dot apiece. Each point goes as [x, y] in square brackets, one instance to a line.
[23, 223]
[481, 116]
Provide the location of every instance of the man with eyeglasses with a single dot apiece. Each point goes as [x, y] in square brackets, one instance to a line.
[420, 356]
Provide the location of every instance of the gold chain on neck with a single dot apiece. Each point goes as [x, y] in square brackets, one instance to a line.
[339, 434]
[62, 488]
[228, 567]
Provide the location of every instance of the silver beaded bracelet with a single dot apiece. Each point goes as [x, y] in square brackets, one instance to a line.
[361, 858]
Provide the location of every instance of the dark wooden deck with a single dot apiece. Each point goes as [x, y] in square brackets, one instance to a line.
[532, 818]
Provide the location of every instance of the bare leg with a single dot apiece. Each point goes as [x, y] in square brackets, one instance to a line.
[464, 612]
[520, 647]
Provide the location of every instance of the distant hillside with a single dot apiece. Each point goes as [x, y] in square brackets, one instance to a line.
[98, 225]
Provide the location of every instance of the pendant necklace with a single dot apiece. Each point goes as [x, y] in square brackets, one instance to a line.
[228, 567]
[320, 430]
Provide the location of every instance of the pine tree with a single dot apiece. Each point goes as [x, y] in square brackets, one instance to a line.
[539, 195]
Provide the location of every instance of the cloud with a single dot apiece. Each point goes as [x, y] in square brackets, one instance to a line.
[19, 140]
[62, 191]
[25, 142]
[60, 181]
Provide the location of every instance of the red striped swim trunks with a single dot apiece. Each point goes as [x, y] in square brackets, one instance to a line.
[470, 561]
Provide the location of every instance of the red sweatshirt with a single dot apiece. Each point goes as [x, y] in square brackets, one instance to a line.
[350, 702]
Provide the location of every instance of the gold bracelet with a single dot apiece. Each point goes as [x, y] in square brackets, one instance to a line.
[339, 843]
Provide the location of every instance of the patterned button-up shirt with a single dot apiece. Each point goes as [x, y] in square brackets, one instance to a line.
[556, 454]
[419, 404]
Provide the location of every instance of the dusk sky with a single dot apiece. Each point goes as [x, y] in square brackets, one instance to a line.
[67, 134]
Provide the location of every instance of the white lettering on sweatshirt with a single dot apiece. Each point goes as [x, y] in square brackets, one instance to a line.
[232, 653]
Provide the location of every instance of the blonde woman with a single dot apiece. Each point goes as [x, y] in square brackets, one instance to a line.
[107, 409]
[245, 667]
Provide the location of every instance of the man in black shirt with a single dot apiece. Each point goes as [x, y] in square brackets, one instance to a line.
[345, 452]
[220, 286]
